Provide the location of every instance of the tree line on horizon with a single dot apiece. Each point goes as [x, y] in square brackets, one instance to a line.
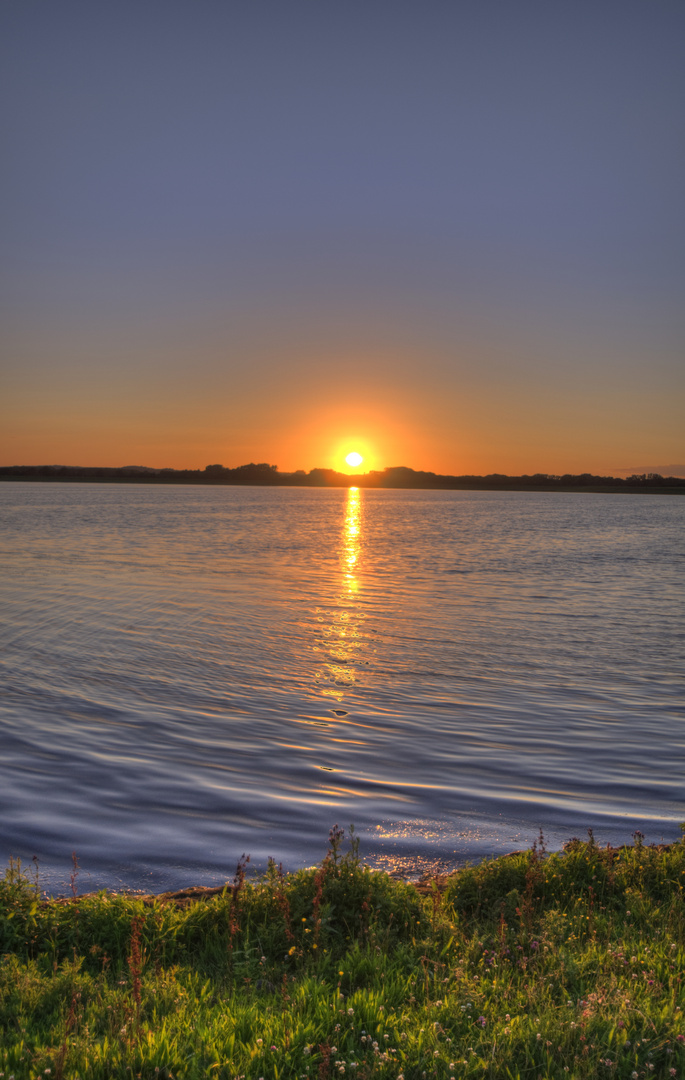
[263, 474]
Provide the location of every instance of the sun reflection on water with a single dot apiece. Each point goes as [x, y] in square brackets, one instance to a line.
[352, 530]
[342, 634]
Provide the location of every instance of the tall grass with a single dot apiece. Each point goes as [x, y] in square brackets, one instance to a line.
[532, 965]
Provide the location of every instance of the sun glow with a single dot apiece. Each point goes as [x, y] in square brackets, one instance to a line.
[354, 459]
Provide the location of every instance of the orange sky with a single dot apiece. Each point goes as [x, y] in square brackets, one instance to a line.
[476, 414]
[447, 235]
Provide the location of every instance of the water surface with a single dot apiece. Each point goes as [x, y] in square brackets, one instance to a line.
[191, 673]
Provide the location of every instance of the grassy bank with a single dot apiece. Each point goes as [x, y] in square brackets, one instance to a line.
[525, 966]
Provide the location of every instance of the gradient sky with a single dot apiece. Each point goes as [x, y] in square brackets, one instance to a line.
[448, 234]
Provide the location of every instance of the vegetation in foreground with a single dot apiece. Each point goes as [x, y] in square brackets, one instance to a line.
[532, 965]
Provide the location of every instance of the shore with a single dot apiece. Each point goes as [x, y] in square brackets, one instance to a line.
[401, 477]
[531, 964]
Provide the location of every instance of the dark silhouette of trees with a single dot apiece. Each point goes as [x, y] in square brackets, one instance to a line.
[397, 476]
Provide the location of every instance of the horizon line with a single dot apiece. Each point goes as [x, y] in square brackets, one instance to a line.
[266, 468]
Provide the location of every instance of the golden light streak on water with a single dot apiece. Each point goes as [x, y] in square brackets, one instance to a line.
[352, 540]
[342, 635]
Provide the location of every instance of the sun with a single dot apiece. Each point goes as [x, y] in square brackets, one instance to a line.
[354, 459]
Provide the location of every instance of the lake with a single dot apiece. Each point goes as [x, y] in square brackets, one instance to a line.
[192, 673]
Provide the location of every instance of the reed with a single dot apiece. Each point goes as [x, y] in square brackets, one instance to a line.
[533, 965]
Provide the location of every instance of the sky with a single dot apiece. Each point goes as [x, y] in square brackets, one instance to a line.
[449, 234]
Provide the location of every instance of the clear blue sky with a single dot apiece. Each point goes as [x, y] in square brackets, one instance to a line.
[451, 234]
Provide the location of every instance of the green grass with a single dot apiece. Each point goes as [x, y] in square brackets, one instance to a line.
[566, 965]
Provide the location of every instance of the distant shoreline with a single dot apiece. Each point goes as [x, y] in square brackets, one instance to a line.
[264, 475]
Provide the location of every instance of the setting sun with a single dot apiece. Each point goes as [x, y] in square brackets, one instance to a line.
[354, 459]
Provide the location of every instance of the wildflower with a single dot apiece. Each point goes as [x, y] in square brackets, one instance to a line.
[633, 1075]
[671, 1072]
[307, 1050]
[482, 1021]
[259, 1042]
[538, 1036]
[507, 1017]
[350, 1012]
[273, 1048]
[334, 1049]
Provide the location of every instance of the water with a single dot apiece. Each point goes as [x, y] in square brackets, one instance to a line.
[188, 674]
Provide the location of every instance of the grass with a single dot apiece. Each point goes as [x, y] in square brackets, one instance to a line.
[532, 965]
